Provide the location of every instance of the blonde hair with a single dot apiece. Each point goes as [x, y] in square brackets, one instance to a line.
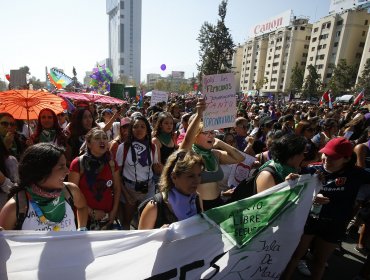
[179, 162]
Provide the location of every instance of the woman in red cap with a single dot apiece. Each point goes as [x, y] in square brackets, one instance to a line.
[332, 207]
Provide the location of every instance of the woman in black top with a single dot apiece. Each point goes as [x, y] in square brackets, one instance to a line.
[333, 206]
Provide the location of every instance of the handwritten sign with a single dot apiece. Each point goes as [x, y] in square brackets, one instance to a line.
[240, 171]
[219, 93]
[158, 97]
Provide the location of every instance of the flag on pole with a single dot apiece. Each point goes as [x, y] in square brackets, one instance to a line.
[359, 97]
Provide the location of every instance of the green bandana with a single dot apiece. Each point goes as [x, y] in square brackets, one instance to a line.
[165, 138]
[52, 205]
[208, 156]
[47, 135]
[281, 169]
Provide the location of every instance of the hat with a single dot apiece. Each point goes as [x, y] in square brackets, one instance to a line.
[125, 120]
[338, 148]
[107, 110]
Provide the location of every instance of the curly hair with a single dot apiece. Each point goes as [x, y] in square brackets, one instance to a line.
[161, 117]
[289, 145]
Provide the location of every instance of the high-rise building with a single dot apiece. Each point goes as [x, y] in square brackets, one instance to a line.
[336, 37]
[125, 38]
[269, 57]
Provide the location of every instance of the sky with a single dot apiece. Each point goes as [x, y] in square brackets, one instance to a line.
[63, 34]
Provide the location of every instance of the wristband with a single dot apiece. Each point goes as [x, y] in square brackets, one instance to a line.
[82, 229]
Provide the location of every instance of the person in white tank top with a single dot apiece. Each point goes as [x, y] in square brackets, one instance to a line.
[44, 194]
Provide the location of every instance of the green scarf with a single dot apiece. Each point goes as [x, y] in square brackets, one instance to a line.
[165, 138]
[281, 169]
[51, 204]
[208, 156]
[47, 135]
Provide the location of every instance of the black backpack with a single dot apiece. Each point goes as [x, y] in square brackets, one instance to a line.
[248, 188]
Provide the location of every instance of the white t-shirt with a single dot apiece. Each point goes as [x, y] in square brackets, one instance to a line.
[113, 132]
[129, 167]
[32, 222]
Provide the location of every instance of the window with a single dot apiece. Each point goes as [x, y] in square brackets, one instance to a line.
[281, 86]
[306, 47]
[362, 44]
[302, 28]
[122, 71]
[256, 53]
[122, 38]
[324, 36]
[271, 42]
[358, 55]
[268, 65]
[273, 79]
[335, 44]
[122, 61]
[324, 46]
[316, 29]
[243, 62]
[312, 49]
[314, 39]
[339, 22]
[275, 64]
[276, 55]
[337, 34]
[311, 58]
[363, 33]
[319, 47]
[122, 5]
[255, 60]
[270, 50]
[308, 38]
[304, 54]
[274, 71]
[320, 66]
[366, 22]
[247, 68]
[328, 75]
[267, 72]
[303, 63]
[255, 67]
[269, 58]
[282, 79]
[272, 87]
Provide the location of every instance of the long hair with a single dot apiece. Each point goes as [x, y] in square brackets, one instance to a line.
[36, 164]
[61, 139]
[161, 117]
[178, 163]
[148, 129]
[4, 154]
[76, 127]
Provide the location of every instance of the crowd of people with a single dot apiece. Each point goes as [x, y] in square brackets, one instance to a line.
[98, 167]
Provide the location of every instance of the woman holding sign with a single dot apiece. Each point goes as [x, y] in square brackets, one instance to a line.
[214, 152]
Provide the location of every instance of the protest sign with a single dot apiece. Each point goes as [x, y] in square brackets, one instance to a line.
[158, 96]
[240, 171]
[219, 93]
[248, 239]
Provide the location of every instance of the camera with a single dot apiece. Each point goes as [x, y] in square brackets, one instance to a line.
[142, 187]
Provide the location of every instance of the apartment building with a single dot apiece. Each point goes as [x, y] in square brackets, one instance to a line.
[268, 59]
[335, 37]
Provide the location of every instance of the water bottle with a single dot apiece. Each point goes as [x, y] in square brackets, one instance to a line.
[315, 210]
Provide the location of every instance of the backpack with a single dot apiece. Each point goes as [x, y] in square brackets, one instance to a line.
[164, 215]
[248, 188]
[22, 205]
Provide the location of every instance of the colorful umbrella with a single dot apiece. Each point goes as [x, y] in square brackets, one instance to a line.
[91, 97]
[27, 104]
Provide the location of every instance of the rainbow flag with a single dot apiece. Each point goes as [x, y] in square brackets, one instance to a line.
[58, 78]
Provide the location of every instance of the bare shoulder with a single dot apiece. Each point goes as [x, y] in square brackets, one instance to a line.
[8, 215]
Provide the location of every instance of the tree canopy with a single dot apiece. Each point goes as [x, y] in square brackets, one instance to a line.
[311, 83]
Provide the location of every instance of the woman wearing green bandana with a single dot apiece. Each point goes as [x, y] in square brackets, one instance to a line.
[42, 196]
[287, 155]
[214, 152]
[48, 130]
[163, 136]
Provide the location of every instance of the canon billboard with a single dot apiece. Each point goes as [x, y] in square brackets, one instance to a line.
[272, 24]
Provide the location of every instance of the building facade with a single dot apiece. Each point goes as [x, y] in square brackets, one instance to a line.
[336, 37]
[268, 59]
[125, 38]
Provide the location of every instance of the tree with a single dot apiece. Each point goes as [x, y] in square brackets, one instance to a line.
[216, 46]
[364, 79]
[311, 83]
[123, 79]
[163, 85]
[36, 83]
[296, 78]
[344, 77]
[261, 83]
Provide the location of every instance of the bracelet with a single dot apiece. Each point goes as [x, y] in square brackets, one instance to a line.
[82, 229]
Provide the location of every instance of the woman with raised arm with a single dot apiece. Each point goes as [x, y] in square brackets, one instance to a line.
[214, 152]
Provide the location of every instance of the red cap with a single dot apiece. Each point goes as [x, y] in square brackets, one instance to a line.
[338, 148]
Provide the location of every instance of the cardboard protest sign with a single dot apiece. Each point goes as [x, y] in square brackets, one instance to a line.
[158, 96]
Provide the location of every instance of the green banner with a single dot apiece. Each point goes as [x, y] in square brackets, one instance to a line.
[117, 90]
[241, 221]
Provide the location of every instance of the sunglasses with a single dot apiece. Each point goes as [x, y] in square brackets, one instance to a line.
[7, 124]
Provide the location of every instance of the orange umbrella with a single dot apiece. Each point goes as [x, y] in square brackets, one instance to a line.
[27, 104]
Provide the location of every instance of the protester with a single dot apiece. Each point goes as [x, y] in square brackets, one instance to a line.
[97, 176]
[114, 127]
[42, 201]
[326, 225]
[214, 152]
[8, 134]
[177, 199]
[48, 130]
[138, 161]
[122, 137]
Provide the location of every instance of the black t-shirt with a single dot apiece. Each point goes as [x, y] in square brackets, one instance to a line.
[341, 188]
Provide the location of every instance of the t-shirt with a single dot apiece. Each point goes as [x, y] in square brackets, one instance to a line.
[100, 196]
[113, 132]
[142, 172]
[341, 188]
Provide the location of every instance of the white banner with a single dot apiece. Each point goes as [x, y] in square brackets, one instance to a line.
[219, 93]
[158, 96]
[191, 249]
[240, 171]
